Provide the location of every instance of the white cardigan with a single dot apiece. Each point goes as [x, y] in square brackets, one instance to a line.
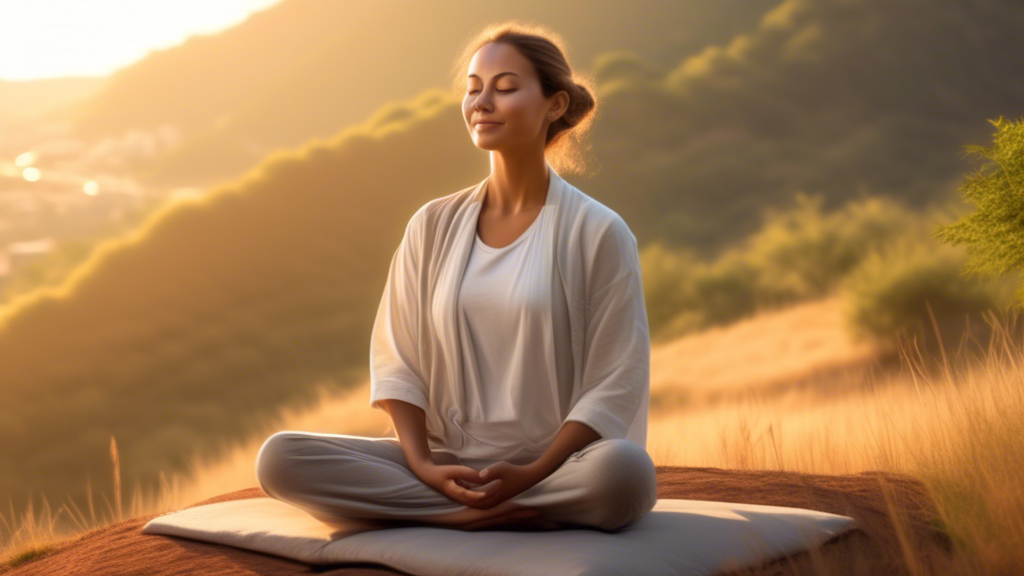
[415, 352]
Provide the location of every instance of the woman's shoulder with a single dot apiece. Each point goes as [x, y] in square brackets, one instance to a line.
[440, 209]
[603, 238]
[596, 219]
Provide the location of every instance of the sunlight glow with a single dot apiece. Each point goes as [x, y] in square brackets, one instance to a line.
[25, 159]
[54, 38]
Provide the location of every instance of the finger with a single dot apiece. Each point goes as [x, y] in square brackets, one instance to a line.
[491, 502]
[463, 494]
[465, 483]
[491, 493]
[483, 497]
[489, 488]
[473, 495]
[467, 473]
[468, 484]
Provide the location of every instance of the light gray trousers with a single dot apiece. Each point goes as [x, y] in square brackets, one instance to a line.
[609, 484]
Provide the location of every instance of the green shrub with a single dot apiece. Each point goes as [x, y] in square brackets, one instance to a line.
[725, 290]
[889, 293]
[802, 253]
[799, 253]
[666, 273]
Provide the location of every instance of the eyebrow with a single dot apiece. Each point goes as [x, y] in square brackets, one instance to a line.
[496, 76]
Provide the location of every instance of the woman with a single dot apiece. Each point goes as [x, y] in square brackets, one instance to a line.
[511, 344]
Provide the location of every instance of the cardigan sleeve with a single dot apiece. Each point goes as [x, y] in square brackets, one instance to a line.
[395, 371]
[617, 346]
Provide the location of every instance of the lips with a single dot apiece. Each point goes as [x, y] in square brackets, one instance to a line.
[485, 123]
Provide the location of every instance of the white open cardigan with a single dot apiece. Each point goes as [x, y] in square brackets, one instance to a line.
[415, 354]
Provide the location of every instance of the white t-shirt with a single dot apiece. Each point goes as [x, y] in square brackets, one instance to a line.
[516, 353]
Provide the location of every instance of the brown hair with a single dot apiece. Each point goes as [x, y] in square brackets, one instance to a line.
[545, 50]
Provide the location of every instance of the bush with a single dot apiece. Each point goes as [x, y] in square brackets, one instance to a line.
[799, 253]
[802, 253]
[889, 294]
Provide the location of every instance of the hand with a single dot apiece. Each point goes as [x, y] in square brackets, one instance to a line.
[464, 485]
[457, 482]
[504, 480]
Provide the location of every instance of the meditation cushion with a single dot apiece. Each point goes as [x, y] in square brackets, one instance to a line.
[691, 537]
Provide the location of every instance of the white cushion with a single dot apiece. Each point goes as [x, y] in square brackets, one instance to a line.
[677, 537]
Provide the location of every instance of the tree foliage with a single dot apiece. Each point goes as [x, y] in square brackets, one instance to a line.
[994, 233]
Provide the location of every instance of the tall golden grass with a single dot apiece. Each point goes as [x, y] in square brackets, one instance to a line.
[953, 422]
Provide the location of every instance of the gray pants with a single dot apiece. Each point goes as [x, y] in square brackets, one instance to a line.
[609, 484]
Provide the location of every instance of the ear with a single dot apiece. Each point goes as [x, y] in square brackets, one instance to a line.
[561, 104]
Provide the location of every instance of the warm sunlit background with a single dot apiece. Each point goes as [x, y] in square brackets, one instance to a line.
[199, 203]
[65, 38]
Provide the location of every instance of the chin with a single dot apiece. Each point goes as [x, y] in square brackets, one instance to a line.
[485, 144]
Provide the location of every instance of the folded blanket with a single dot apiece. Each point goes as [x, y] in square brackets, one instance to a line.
[692, 537]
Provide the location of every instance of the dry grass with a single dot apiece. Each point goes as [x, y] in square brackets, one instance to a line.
[799, 397]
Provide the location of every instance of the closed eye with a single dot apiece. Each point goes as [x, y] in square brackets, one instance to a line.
[510, 90]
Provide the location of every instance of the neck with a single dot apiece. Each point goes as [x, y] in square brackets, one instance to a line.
[516, 185]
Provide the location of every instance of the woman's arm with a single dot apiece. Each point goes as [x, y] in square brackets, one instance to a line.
[411, 427]
[410, 423]
[515, 478]
[616, 342]
[571, 438]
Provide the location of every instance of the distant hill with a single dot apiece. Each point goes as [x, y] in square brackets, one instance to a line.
[828, 97]
[217, 311]
[305, 69]
[818, 96]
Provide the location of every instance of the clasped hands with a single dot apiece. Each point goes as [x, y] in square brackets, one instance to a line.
[488, 491]
[488, 487]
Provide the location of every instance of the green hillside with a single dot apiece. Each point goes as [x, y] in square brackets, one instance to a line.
[305, 69]
[825, 97]
[218, 311]
[820, 96]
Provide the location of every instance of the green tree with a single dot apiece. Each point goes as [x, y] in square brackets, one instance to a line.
[994, 233]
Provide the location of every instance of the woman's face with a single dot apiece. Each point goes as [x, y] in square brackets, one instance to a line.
[502, 89]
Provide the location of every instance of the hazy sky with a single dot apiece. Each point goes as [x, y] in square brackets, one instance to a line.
[51, 38]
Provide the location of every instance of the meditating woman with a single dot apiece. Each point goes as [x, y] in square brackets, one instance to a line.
[510, 347]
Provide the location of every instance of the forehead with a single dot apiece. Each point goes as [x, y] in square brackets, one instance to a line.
[495, 58]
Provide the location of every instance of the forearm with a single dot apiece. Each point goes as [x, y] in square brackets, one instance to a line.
[571, 437]
[411, 428]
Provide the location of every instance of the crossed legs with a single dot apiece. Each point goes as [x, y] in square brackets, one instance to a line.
[609, 484]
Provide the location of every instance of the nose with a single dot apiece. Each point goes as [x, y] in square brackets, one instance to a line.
[483, 100]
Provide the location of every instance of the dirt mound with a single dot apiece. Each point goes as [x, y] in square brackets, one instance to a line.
[881, 545]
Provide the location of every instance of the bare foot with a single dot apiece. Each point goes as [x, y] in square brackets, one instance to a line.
[472, 518]
[525, 525]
